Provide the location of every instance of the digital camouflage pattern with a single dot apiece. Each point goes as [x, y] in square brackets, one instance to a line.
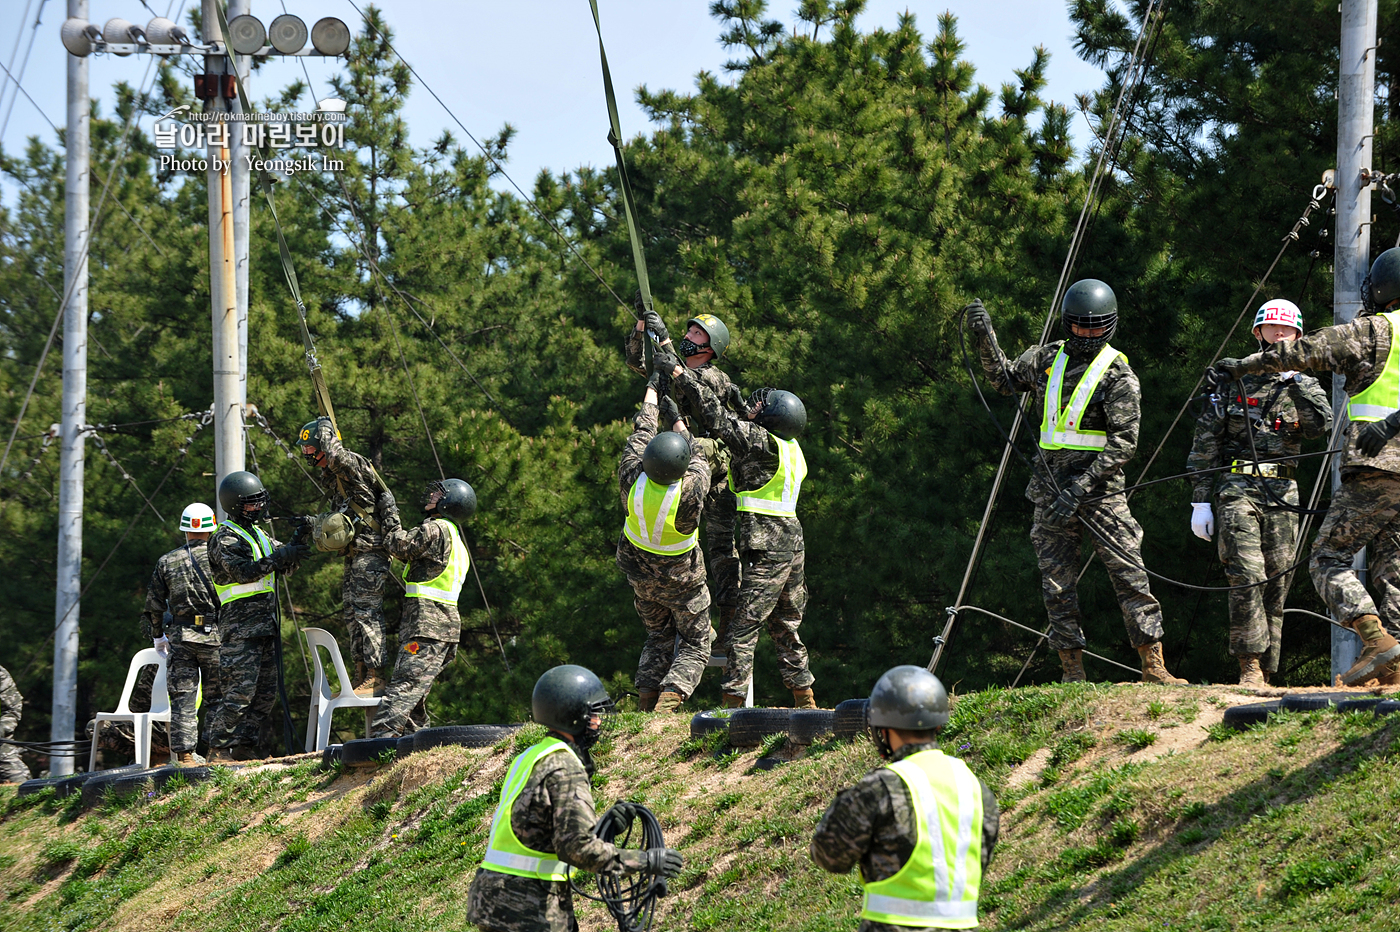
[554, 813]
[404, 706]
[773, 595]
[872, 825]
[668, 591]
[12, 767]
[231, 561]
[1257, 537]
[177, 587]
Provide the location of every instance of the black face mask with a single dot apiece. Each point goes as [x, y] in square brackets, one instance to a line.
[689, 347]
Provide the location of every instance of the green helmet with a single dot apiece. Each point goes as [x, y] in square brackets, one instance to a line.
[783, 414]
[238, 490]
[666, 458]
[458, 502]
[566, 697]
[909, 698]
[718, 333]
[1382, 284]
[313, 435]
[1088, 303]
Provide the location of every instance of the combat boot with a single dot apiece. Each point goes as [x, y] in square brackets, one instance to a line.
[188, 759]
[374, 684]
[1379, 648]
[1251, 674]
[1072, 662]
[646, 699]
[732, 701]
[669, 702]
[221, 756]
[803, 698]
[1154, 668]
[1390, 674]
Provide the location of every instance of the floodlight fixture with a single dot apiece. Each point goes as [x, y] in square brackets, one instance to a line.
[78, 35]
[330, 36]
[161, 31]
[246, 34]
[118, 32]
[287, 33]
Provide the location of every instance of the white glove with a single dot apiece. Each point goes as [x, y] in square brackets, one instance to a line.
[1202, 520]
[162, 646]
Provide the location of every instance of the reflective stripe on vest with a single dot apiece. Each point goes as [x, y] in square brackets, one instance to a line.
[1059, 429]
[651, 518]
[939, 884]
[505, 852]
[447, 585]
[778, 496]
[1381, 398]
[262, 547]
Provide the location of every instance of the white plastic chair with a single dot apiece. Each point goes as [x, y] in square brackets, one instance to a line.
[140, 721]
[323, 704]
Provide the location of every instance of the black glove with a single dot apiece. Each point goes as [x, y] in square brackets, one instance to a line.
[667, 413]
[664, 862]
[1063, 508]
[304, 529]
[654, 380]
[978, 320]
[622, 814]
[1226, 369]
[654, 324]
[288, 556]
[1376, 434]
[665, 362]
[388, 511]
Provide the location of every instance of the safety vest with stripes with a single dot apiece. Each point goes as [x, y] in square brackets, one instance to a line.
[1060, 428]
[778, 496]
[447, 585]
[505, 852]
[262, 547]
[1381, 398]
[938, 885]
[651, 518]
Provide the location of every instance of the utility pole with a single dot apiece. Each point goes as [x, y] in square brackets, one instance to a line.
[241, 194]
[1356, 82]
[70, 471]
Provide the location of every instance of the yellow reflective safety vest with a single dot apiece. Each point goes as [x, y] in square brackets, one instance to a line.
[505, 852]
[447, 585]
[262, 547]
[1060, 428]
[938, 885]
[651, 518]
[1381, 398]
[778, 496]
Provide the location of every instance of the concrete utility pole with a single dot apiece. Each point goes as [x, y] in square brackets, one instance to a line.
[70, 470]
[1356, 110]
[241, 194]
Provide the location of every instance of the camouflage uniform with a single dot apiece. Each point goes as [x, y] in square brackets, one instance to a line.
[773, 589]
[1365, 510]
[248, 650]
[872, 824]
[668, 591]
[721, 507]
[1114, 409]
[181, 588]
[554, 813]
[12, 768]
[428, 630]
[1257, 536]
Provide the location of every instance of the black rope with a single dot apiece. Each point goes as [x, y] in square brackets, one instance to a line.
[631, 898]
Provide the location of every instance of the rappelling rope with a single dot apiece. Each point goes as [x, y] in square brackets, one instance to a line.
[631, 901]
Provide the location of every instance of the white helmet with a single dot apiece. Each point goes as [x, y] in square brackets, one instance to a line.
[197, 517]
[1279, 311]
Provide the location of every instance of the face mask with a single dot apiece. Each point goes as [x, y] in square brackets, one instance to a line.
[689, 347]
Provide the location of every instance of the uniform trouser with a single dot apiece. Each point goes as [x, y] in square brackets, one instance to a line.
[12, 767]
[1365, 512]
[189, 666]
[248, 675]
[773, 593]
[362, 592]
[419, 662]
[1256, 541]
[669, 614]
[1057, 549]
[721, 550]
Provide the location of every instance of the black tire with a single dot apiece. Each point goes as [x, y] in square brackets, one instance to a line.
[1359, 705]
[95, 787]
[1387, 707]
[329, 755]
[1311, 702]
[849, 719]
[70, 786]
[709, 722]
[405, 746]
[806, 726]
[748, 727]
[1242, 716]
[366, 750]
[467, 736]
[769, 763]
[30, 787]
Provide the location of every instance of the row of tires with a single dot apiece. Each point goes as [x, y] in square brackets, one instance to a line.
[748, 727]
[1242, 716]
[381, 750]
[119, 781]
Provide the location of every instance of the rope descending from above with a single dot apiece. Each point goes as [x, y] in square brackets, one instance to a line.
[630, 899]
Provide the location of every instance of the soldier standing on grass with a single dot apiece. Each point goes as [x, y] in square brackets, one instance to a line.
[13, 769]
[1258, 532]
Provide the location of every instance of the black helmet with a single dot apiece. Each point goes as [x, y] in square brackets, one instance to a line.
[715, 328]
[458, 502]
[906, 697]
[782, 413]
[666, 458]
[311, 436]
[566, 697]
[1382, 284]
[238, 490]
[1091, 304]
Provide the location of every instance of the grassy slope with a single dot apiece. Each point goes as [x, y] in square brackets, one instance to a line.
[1285, 826]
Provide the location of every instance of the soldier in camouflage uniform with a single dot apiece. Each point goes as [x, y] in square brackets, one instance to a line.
[1365, 509]
[544, 822]
[12, 768]
[1257, 533]
[1087, 435]
[657, 552]
[243, 563]
[357, 492]
[766, 471]
[706, 339]
[434, 567]
[878, 822]
[182, 615]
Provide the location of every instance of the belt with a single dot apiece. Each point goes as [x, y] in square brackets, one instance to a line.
[200, 623]
[1267, 470]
